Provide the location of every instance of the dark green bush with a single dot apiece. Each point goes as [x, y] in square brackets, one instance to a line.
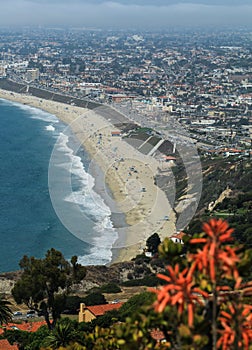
[72, 304]
[141, 259]
[149, 281]
[94, 299]
[110, 288]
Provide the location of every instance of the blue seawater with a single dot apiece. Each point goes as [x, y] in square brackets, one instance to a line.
[28, 222]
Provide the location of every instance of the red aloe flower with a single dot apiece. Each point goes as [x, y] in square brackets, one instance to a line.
[214, 255]
[237, 327]
[179, 291]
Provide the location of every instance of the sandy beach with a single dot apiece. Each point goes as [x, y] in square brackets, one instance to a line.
[128, 173]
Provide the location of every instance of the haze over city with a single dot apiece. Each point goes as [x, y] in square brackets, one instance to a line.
[122, 13]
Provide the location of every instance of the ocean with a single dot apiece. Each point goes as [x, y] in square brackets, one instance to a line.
[29, 224]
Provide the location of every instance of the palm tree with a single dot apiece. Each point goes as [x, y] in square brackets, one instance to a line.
[62, 335]
[75, 346]
[5, 311]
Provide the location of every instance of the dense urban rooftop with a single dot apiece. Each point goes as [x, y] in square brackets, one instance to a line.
[200, 78]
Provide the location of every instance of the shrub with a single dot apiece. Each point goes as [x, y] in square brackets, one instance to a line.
[72, 303]
[110, 288]
[94, 299]
[149, 281]
[134, 304]
[141, 259]
[130, 276]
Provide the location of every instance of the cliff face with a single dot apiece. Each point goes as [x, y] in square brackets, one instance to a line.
[7, 281]
[99, 275]
[222, 178]
[225, 194]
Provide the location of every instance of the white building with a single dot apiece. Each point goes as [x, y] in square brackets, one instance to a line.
[2, 71]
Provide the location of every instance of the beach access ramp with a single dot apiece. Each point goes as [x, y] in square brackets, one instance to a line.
[156, 147]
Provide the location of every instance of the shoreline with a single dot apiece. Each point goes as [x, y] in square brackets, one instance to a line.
[143, 211]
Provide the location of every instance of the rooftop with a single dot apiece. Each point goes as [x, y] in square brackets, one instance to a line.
[5, 345]
[25, 326]
[99, 310]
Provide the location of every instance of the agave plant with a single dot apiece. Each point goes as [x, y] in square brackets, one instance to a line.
[62, 335]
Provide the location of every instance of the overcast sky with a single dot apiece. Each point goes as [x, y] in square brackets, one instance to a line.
[126, 13]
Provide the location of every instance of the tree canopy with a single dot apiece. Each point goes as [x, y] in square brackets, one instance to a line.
[94, 299]
[153, 242]
[45, 282]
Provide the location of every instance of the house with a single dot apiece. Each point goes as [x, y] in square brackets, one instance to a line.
[5, 345]
[166, 161]
[178, 238]
[148, 254]
[169, 159]
[157, 335]
[25, 326]
[115, 133]
[89, 313]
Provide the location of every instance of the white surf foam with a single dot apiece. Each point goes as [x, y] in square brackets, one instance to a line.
[91, 204]
[35, 113]
[101, 256]
[50, 128]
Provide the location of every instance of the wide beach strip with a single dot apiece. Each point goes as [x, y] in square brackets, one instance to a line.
[128, 173]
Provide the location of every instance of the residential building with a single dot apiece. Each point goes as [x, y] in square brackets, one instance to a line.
[89, 313]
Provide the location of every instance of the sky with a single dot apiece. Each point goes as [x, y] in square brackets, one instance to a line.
[126, 13]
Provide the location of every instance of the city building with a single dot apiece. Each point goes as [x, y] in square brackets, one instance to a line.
[2, 72]
[32, 74]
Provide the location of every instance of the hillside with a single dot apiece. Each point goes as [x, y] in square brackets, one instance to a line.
[141, 268]
[227, 193]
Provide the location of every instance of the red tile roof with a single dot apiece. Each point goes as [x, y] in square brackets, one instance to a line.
[25, 326]
[180, 235]
[99, 310]
[157, 335]
[170, 158]
[5, 345]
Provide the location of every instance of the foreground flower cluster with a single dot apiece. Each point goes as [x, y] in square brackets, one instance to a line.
[211, 281]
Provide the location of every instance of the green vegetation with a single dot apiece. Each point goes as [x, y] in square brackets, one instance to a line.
[134, 304]
[63, 335]
[195, 307]
[152, 243]
[149, 281]
[27, 340]
[130, 326]
[94, 299]
[144, 131]
[221, 174]
[180, 310]
[71, 303]
[5, 311]
[108, 288]
[45, 282]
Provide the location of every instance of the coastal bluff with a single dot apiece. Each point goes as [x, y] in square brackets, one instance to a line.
[7, 281]
[97, 276]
